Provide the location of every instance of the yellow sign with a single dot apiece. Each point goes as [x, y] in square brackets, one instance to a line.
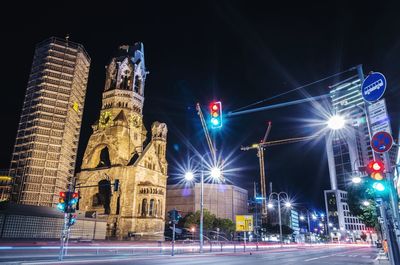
[244, 223]
[75, 106]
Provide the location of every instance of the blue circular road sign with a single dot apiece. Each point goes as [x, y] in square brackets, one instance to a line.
[381, 142]
[373, 87]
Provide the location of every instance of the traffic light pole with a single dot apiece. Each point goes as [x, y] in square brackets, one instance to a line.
[173, 239]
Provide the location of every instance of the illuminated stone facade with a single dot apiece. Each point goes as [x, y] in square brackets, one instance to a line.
[116, 151]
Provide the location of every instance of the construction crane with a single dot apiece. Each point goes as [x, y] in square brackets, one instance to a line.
[260, 153]
[260, 147]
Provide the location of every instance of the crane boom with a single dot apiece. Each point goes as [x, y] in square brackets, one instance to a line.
[260, 154]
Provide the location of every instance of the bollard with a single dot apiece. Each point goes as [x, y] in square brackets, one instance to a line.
[234, 247]
[244, 248]
[210, 247]
[221, 247]
[257, 246]
[97, 251]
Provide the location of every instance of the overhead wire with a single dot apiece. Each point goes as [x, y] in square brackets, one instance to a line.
[295, 89]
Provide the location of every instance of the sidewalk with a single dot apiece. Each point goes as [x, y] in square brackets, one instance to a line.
[382, 259]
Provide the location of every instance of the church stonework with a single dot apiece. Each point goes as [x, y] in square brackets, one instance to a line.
[116, 153]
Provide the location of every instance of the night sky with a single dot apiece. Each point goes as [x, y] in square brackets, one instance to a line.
[238, 52]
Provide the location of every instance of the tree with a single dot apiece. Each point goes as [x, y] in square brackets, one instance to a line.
[356, 195]
[274, 229]
[193, 219]
[225, 225]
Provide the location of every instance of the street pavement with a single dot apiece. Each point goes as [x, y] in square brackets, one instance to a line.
[278, 256]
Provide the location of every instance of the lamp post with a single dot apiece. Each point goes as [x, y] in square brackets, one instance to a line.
[287, 204]
[189, 176]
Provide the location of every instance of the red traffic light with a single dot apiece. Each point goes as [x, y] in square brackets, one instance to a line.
[75, 195]
[216, 114]
[62, 194]
[375, 166]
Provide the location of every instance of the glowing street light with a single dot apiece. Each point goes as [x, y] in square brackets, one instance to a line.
[189, 176]
[314, 217]
[302, 218]
[356, 179]
[287, 204]
[366, 203]
[215, 173]
[336, 122]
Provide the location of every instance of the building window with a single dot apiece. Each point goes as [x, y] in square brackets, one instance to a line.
[151, 211]
[144, 207]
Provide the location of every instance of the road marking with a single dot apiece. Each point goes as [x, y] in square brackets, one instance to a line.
[322, 257]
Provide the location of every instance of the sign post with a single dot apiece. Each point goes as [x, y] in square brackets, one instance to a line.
[244, 223]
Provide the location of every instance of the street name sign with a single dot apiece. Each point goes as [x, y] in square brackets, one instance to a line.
[373, 87]
[378, 117]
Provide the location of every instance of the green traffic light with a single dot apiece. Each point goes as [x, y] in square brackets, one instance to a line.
[378, 186]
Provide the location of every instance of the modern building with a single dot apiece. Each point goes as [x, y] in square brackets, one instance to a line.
[43, 161]
[339, 215]
[5, 185]
[118, 152]
[348, 152]
[225, 201]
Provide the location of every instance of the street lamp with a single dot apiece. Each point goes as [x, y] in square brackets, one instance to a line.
[336, 122]
[189, 176]
[356, 179]
[314, 217]
[287, 204]
[366, 203]
[215, 173]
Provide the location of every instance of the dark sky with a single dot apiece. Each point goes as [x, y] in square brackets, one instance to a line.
[196, 51]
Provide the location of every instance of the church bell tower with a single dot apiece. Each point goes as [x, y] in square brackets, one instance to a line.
[116, 152]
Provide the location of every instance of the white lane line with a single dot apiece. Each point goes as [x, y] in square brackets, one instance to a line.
[322, 257]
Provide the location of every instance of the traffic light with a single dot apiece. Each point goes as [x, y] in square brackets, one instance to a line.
[61, 205]
[67, 201]
[375, 168]
[216, 114]
[74, 197]
[116, 185]
[174, 216]
[71, 219]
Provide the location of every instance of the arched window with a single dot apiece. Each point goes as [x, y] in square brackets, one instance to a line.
[151, 211]
[104, 158]
[105, 195]
[159, 208]
[144, 207]
[138, 208]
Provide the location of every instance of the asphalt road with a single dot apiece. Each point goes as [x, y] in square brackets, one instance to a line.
[289, 256]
